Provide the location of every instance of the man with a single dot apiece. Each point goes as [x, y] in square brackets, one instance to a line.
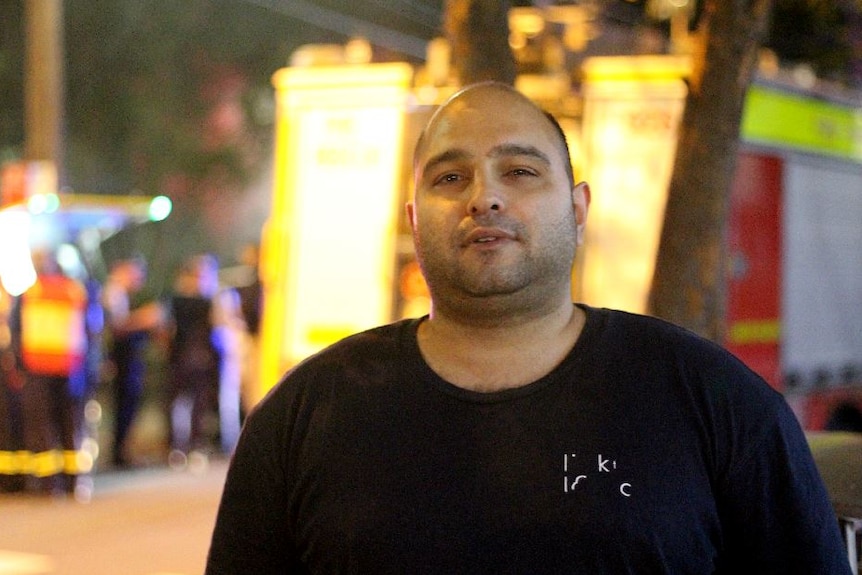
[511, 431]
[129, 327]
[204, 319]
[49, 334]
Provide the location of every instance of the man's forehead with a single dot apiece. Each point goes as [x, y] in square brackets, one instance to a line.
[511, 118]
[477, 111]
[484, 102]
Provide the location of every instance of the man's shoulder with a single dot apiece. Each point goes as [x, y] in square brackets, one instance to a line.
[375, 342]
[646, 328]
[370, 350]
[368, 359]
[652, 338]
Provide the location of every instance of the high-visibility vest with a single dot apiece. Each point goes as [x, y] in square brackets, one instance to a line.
[53, 328]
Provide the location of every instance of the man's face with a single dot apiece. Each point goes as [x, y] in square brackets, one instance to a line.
[494, 212]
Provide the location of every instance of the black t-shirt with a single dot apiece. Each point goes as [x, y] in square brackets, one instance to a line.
[647, 450]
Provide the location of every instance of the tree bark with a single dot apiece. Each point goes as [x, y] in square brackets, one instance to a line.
[688, 285]
[478, 31]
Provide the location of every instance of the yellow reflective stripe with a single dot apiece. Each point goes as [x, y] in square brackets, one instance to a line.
[13, 462]
[45, 463]
[777, 117]
[70, 462]
[755, 331]
[23, 459]
[77, 462]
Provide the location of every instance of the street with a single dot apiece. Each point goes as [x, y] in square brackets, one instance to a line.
[151, 521]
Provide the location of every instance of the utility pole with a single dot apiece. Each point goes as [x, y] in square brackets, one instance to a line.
[43, 82]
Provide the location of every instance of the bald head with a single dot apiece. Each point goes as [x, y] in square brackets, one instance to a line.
[497, 95]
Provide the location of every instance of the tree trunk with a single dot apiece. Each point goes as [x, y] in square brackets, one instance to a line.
[478, 31]
[688, 285]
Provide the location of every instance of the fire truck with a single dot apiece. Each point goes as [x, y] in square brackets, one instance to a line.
[795, 263]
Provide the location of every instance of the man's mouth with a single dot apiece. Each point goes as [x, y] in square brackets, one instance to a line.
[487, 236]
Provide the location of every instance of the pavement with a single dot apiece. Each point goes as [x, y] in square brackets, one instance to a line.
[149, 521]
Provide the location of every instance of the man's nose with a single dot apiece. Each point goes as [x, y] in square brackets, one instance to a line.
[486, 197]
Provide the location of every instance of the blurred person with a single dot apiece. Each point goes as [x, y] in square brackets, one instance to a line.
[12, 477]
[84, 382]
[193, 360]
[50, 340]
[204, 377]
[251, 308]
[229, 327]
[512, 430]
[128, 326]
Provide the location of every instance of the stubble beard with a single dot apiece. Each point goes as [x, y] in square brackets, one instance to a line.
[481, 287]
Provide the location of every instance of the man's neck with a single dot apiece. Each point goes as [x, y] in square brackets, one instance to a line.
[499, 355]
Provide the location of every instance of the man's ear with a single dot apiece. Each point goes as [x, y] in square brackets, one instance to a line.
[409, 209]
[581, 197]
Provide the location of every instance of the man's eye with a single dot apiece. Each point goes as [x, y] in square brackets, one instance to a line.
[522, 172]
[447, 179]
